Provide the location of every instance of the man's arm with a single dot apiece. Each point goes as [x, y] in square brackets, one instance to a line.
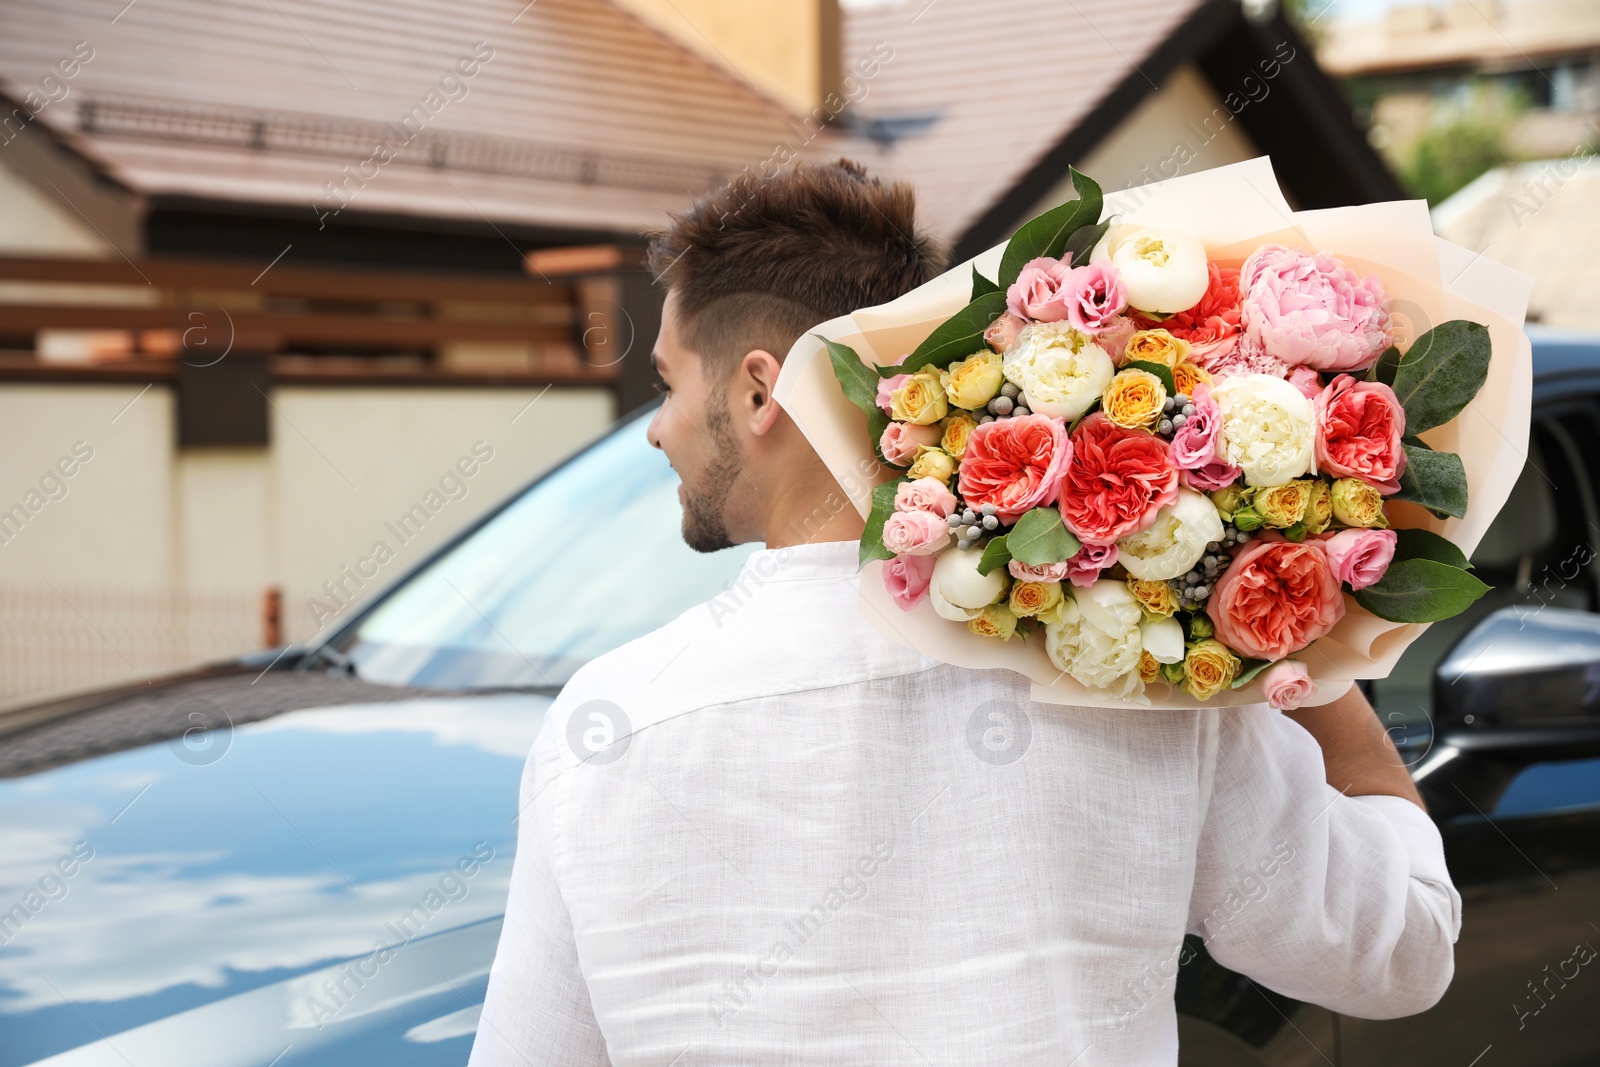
[1359, 755]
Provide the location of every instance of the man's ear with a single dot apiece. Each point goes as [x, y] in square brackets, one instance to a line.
[756, 377]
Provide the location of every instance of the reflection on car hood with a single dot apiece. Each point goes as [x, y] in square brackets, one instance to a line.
[323, 886]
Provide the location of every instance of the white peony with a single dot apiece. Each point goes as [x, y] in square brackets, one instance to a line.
[1163, 639]
[1269, 428]
[1164, 270]
[1097, 639]
[1175, 541]
[957, 591]
[1059, 370]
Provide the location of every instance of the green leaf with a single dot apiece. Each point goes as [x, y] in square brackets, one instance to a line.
[1046, 236]
[1248, 669]
[981, 285]
[1081, 244]
[1296, 533]
[1441, 373]
[1421, 590]
[872, 546]
[860, 385]
[955, 338]
[1384, 369]
[1160, 370]
[1436, 480]
[1425, 544]
[1090, 410]
[1039, 538]
[995, 554]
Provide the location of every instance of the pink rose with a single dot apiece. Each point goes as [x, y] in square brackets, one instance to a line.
[925, 494]
[1002, 332]
[1194, 444]
[1040, 292]
[1115, 335]
[1306, 380]
[907, 578]
[886, 388]
[1044, 572]
[1359, 557]
[1311, 309]
[1218, 474]
[1014, 464]
[915, 533]
[1359, 426]
[900, 441]
[1287, 684]
[1095, 296]
[1276, 597]
[1084, 568]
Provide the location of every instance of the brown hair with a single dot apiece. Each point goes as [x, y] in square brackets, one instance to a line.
[757, 262]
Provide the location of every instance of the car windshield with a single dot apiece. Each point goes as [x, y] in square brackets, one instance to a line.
[589, 557]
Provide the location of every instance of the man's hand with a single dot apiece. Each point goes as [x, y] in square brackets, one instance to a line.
[1359, 755]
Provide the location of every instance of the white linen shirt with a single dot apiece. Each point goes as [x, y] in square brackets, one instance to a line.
[808, 844]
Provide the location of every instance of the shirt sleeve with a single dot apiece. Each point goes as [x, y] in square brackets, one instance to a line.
[1331, 899]
[537, 1008]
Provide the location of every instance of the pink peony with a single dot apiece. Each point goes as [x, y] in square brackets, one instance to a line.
[1276, 597]
[915, 533]
[907, 578]
[1212, 326]
[1287, 684]
[1306, 380]
[1194, 444]
[1084, 569]
[1002, 332]
[925, 494]
[1044, 572]
[1041, 292]
[1096, 297]
[1311, 309]
[1359, 557]
[886, 388]
[900, 441]
[1015, 464]
[1247, 357]
[1359, 426]
[1116, 481]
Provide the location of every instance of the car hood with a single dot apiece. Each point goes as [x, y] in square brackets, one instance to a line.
[321, 886]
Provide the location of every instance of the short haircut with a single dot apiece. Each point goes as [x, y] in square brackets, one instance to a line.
[760, 260]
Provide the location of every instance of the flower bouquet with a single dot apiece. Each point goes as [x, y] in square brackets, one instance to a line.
[1140, 463]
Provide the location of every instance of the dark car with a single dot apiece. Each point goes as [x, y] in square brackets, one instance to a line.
[302, 857]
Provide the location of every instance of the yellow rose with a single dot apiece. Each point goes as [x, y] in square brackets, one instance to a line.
[932, 462]
[1031, 598]
[1319, 509]
[996, 620]
[1156, 598]
[920, 400]
[1149, 669]
[1233, 498]
[1156, 346]
[1208, 668]
[1284, 505]
[957, 428]
[1056, 614]
[1134, 399]
[1186, 375]
[972, 382]
[1355, 503]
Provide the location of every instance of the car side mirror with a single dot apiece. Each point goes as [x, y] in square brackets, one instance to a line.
[1529, 669]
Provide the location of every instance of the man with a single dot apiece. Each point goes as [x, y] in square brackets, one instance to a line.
[805, 843]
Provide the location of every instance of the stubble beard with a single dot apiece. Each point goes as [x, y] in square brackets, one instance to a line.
[705, 527]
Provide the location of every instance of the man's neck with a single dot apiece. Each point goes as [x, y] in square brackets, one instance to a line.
[810, 510]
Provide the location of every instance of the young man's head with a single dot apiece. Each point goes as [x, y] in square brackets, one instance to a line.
[748, 269]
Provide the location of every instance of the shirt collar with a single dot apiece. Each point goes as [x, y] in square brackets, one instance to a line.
[823, 559]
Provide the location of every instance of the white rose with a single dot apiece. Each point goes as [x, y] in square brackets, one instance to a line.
[1268, 428]
[1164, 270]
[957, 591]
[1175, 541]
[1058, 369]
[1163, 639]
[1094, 656]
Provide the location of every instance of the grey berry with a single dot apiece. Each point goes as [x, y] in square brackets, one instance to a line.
[1180, 399]
[1165, 427]
[1021, 411]
[1202, 591]
[990, 522]
[1001, 405]
[1188, 409]
[954, 521]
[1179, 420]
[1010, 390]
[1168, 405]
[988, 509]
[982, 419]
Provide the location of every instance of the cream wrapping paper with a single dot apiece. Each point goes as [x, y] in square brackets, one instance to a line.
[1232, 210]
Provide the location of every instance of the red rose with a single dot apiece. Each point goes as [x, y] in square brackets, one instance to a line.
[1116, 480]
[1276, 597]
[1212, 326]
[1014, 464]
[1359, 426]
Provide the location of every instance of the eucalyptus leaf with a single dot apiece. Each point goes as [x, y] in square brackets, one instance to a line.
[995, 554]
[1160, 370]
[1421, 590]
[1081, 244]
[1425, 544]
[1441, 373]
[1046, 236]
[1248, 669]
[981, 285]
[1384, 369]
[872, 546]
[1436, 480]
[955, 338]
[1039, 538]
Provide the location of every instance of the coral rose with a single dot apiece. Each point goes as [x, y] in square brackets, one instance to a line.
[1276, 597]
[1015, 464]
[1116, 480]
[1212, 326]
[1311, 309]
[906, 578]
[1359, 426]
